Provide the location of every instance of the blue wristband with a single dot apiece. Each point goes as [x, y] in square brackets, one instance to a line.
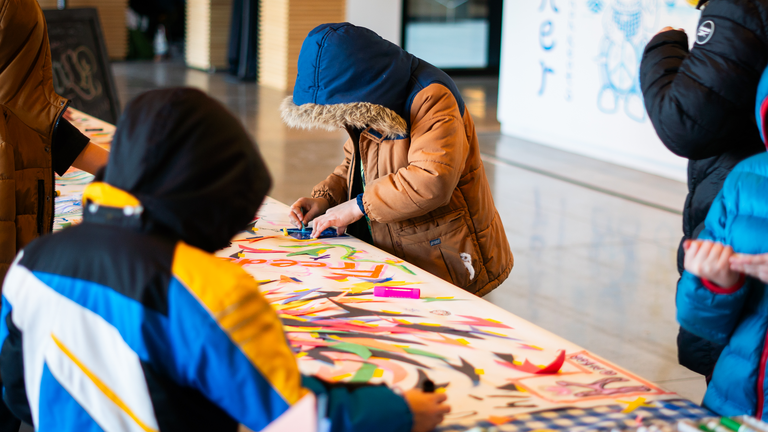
[360, 203]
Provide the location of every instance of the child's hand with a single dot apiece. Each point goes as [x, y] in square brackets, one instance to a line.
[711, 261]
[428, 409]
[752, 265]
[306, 209]
[340, 216]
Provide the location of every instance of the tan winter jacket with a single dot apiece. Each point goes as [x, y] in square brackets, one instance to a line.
[29, 110]
[426, 192]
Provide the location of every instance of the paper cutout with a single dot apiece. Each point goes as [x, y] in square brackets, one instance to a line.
[635, 404]
[529, 367]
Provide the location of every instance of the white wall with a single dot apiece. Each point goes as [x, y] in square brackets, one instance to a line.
[382, 16]
[569, 77]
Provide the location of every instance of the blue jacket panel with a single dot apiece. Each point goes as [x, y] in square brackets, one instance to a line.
[738, 319]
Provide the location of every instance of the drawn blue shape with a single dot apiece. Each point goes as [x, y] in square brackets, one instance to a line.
[545, 31]
[596, 6]
[551, 4]
[628, 22]
[544, 71]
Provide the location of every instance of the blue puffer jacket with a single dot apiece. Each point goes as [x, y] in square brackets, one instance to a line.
[738, 316]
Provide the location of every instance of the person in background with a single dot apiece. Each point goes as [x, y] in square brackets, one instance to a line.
[35, 141]
[701, 104]
[722, 305]
[412, 182]
[128, 321]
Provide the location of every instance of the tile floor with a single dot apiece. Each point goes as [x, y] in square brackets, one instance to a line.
[594, 243]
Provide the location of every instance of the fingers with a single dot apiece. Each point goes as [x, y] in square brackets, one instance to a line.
[724, 260]
[321, 224]
[296, 215]
[686, 244]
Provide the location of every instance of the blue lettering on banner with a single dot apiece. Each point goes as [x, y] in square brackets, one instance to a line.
[544, 71]
[435, 242]
[551, 4]
[547, 42]
[545, 31]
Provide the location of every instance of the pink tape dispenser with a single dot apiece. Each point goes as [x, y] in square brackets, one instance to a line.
[397, 292]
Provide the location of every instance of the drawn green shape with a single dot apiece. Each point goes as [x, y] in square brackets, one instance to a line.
[364, 374]
[361, 351]
[312, 252]
[435, 299]
[423, 353]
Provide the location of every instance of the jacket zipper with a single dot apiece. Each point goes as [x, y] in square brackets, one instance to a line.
[40, 205]
[761, 379]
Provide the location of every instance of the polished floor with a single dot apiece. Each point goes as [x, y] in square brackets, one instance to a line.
[594, 243]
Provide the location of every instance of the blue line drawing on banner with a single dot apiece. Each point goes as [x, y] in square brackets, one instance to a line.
[628, 26]
[544, 71]
[596, 6]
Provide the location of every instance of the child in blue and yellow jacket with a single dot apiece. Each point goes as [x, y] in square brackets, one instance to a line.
[718, 302]
[127, 322]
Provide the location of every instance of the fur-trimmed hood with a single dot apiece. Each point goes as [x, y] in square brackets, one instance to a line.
[350, 76]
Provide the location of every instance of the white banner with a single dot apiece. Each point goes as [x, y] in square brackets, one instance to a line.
[570, 76]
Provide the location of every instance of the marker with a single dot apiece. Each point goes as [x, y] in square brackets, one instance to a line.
[734, 425]
[382, 291]
[303, 228]
[428, 386]
[754, 423]
[715, 426]
[94, 130]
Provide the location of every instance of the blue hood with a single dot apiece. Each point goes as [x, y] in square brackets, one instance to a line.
[350, 76]
[343, 63]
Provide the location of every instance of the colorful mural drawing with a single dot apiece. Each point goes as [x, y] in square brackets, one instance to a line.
[497, 369]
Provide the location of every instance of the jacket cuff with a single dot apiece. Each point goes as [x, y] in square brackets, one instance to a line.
[360, 204]
[670, 37]
[717, 289]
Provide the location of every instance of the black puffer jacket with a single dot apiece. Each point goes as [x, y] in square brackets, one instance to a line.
[702, 106]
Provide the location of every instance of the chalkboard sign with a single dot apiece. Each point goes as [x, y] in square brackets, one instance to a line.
[81, 71]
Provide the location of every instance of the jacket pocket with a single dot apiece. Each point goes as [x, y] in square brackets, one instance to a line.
[446, 250]
[40, 205]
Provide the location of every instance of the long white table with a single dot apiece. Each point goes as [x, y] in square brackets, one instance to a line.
[497, 369]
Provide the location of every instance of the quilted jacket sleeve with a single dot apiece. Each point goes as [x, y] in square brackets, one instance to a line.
[229, 344]
[706, 312]
[335, 187]
[436, 158]
[701, 102]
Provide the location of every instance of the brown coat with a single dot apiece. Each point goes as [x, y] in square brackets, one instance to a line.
[29, 110]
[428, 197]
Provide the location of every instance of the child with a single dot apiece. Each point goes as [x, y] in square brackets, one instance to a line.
[412, 182]
[126, 322]
[720, 304]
